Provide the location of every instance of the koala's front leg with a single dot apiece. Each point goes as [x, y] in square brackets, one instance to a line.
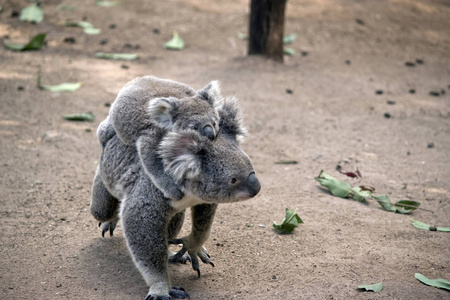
[144, 224]
[147, 146]
[202, 219]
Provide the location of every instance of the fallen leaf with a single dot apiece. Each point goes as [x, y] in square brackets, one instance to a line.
[34, 44]
[107, 3]
[439, 283]
[32, 14]
[63, 87]
[424, 226]
[376, 287]
[336, 187]
[289, 39]
[66, 7]
[88, 28]
[289, 223]
[117, 56]
[175, 43]
[286, 162]
[289, 51]
[88, 117]
[359, 195]
[403, 206]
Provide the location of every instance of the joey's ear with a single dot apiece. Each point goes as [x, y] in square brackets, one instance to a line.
[180, 154]
[161, 111]
[211, 93]
[231, 119]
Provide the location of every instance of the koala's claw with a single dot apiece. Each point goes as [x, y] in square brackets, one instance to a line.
[108, 226]
[176, 292]
[194, 255]
[182, 259]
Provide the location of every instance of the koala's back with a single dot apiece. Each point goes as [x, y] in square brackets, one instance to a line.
[129, 114]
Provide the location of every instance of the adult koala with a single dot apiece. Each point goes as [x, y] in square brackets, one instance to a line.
[207, 171]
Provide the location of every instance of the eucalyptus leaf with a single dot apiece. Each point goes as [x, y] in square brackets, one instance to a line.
[439, 283]
[88, 117]
[360, 195]
[424, 226]
[63, 87]
[289, 51]
[336, 187]
[117, 56]
[175, 43]
[32, 14]
[402, 207]
[289, 223]
[88, 28]
[289, 39]
[107, 3]
[34, 44]
[376, 287]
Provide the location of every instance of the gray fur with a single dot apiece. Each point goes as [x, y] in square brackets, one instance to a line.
[207, 171]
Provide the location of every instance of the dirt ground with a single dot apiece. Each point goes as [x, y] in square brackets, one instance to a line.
[51, 247]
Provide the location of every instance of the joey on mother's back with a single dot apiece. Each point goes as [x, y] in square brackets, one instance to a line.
[208, 171]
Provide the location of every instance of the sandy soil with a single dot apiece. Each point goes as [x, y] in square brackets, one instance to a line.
[51, 248]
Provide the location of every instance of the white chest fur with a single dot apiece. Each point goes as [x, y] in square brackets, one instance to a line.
[185, 202]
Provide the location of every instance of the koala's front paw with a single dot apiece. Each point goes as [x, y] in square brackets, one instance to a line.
[194, 255]
[108, 226]
[176, 292]
[173, 193]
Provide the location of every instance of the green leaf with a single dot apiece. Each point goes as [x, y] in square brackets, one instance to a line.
[32, 14]
[107, 3]
[117, 56]
[63, 87]
[88, 28]
[289, 51]
[242, 36]
[88, 117]
[336, 187]
[439, 283]
[376, 287]
[289, 39]
[424, 226]
[360, 195]
[175, 43]
[34, 44]
[289, 223]
[402, 207]
[66, 7]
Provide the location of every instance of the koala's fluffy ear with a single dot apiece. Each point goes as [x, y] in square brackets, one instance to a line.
[161, 111]
[211, 93]
[179, 152]
[231, 119]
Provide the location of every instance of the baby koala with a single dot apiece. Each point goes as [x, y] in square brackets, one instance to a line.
[147, 108]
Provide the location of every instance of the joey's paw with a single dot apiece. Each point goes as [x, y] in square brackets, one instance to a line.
[108, 226]
[193, 254]
[174, 193]
[175, 293]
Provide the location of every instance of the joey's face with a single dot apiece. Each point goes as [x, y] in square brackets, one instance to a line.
[205, 126]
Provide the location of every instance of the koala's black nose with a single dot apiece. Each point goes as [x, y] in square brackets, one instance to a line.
[208, 131]
[253, 184]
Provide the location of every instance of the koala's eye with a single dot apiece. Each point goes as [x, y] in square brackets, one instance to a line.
[233, 181]
[193, 127]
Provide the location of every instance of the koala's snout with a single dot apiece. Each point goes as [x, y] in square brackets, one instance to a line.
[208, 131]
[253, 184]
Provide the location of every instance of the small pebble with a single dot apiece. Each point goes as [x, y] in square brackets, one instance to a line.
[128, 46]
[137, 46]
[430, 145]
[69, 40]
[379, 92]
[433, 228]
[412, 91]
[112, 26]
[156, 31]
[435, 94]
[348, 62]
[289, 91]
[390, 102]
[442, 92]
[125, 67]
[107, 104]
[274, 276]
[410, 64]
[104, 42]
[408, 153]
[20, 88]
[14, 14]
[359, 21]
[387, 115]
[304, 53]
[419, 61]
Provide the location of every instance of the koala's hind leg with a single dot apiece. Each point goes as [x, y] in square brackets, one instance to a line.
[145, 225]
[173, 229]
[104, 207]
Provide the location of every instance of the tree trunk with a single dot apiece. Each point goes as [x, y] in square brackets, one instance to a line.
[266, 28]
